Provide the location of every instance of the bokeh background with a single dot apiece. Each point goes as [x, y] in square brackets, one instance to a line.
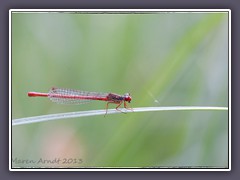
[162, 59]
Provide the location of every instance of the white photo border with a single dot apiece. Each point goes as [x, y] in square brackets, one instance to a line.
[113, 11]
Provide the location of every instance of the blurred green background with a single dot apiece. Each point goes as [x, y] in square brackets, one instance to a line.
[162, 59]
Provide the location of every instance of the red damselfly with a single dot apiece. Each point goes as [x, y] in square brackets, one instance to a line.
[70, 96]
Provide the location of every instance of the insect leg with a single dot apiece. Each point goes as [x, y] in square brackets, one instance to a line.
[125, 106]
[119, 104]
[113, 102]
[107, 108]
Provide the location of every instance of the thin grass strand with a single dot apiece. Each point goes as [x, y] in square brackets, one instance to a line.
[50, 117]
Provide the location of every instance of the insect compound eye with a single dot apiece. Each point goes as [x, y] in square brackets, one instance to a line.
[127, 97]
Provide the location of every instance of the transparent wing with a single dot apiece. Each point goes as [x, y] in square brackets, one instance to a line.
[71, 96]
